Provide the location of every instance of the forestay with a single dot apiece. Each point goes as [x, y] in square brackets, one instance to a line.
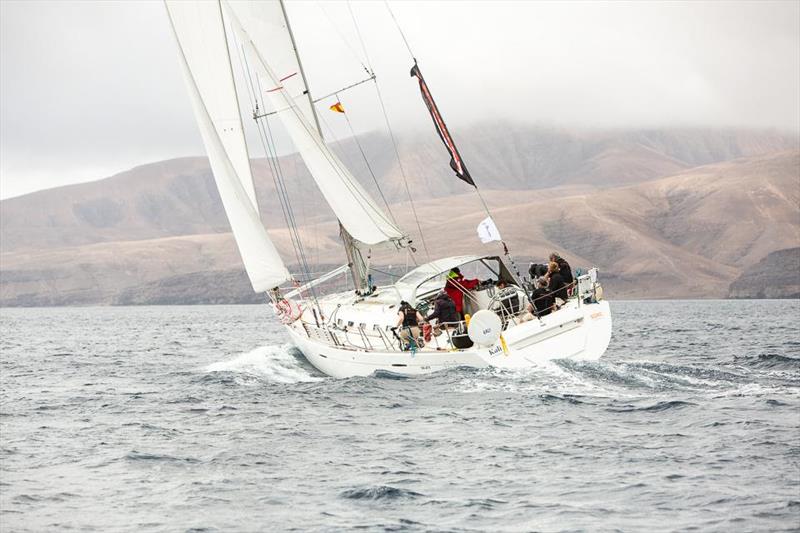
[353, 206]
[200, 33]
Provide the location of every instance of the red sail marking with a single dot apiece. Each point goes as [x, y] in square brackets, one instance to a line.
[279, 87]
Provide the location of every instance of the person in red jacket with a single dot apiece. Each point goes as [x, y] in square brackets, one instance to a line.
[456, 286]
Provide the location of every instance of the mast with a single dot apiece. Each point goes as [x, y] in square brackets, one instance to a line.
[359, 268]
[300, 67]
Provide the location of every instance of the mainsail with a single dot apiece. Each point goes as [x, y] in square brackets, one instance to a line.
[261, 27]
[204, 55]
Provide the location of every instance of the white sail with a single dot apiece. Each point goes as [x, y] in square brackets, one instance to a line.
[277, 64]
[200, 33]
[269, 30]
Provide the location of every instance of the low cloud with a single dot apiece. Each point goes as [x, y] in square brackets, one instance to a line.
[90, 88]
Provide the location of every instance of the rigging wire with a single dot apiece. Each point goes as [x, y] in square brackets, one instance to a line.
[253, 97]
[396, 276]
[293, 227]
[271, 162]
[347, 118]
[366, 161]
[389, 128]
[365, 202]
[270, 149]
[368, 69]
[480, 196]
[333, 138]
[400, 30]
[344, 40]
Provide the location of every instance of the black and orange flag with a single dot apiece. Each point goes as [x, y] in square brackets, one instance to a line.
[338, 107]
[456, 163]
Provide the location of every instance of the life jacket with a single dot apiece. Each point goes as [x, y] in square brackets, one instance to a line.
[409, 317]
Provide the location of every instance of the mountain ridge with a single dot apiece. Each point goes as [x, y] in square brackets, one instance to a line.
[178, 196]
[690, 233]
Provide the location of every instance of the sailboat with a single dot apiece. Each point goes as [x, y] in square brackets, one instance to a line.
[355, 332]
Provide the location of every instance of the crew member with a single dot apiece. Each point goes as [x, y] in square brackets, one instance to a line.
[541, 300]
[556, 284]
[456, 286]
[563, 267]
[444, 311]
[408, 320]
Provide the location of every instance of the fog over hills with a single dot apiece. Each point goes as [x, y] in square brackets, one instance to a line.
[663, 213]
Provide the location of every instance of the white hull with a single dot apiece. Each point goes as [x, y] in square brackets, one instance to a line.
[580, 332]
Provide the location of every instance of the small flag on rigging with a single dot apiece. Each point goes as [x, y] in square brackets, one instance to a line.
[487, 231]
[338, 107]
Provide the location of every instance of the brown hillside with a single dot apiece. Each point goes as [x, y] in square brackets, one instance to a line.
[178, 197]
[687, 235]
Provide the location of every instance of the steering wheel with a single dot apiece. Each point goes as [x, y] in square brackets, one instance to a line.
[496, 303]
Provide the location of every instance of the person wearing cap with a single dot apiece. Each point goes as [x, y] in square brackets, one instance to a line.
[456, 286]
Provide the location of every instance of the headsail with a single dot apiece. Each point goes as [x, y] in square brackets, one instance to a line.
[354, 207]
[204, 55]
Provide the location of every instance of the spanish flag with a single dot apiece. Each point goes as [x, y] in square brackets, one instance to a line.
[338, 107]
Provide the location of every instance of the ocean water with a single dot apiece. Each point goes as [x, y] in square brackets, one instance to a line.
[205, 419]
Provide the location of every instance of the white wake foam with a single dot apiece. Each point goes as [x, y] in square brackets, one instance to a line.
[276, 363]
[542, 377]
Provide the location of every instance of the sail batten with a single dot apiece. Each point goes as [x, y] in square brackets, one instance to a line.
[260, 27]
[205, 61]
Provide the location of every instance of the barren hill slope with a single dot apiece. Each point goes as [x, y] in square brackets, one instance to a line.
[775, 276]
[178, 197]
[686, 235]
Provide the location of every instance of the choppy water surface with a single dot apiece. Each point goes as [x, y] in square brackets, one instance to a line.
[203, 418]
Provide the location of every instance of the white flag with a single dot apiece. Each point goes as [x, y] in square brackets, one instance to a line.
[487, 231]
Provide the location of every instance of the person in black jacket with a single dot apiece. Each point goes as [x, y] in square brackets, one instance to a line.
[541, 301]
[563, 267]
[556, 284]
[444, 310]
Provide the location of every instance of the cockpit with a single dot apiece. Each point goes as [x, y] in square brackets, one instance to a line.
[498, 289]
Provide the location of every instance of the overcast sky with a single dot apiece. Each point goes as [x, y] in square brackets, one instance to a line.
[88, 89]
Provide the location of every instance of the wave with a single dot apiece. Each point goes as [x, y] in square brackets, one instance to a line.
[658, 407]
[388, 374]
[134, 455]
[776, 361]
[280, 364]
[381, 492]
[585, 381]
